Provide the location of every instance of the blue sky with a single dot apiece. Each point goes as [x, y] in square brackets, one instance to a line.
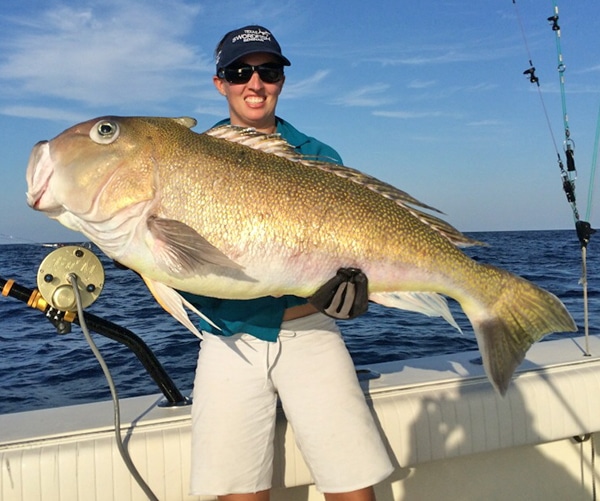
[429, 96]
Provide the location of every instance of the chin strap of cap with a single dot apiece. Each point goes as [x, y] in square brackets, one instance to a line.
[344, 296]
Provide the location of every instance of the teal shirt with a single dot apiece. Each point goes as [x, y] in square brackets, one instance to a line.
[260, 317]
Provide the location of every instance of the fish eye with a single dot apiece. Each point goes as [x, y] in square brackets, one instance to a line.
[104, 132]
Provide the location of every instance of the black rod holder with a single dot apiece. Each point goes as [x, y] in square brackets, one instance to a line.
[112, 331]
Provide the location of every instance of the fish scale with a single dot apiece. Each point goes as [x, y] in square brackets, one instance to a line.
[232, 213]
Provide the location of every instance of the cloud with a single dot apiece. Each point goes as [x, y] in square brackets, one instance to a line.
[368, 96]
[421, 60]
[590, 69]
[306, 86]
[212, 111]
[43, 112]
[477, 51]
[412, 114]
[103, 53]
[485, 123]
[421, 84]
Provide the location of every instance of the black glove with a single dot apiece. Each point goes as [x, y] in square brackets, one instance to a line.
[345, 296]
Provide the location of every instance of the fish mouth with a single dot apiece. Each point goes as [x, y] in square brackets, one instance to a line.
[39, 173]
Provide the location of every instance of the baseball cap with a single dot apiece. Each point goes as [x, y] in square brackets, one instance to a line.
[247, 40]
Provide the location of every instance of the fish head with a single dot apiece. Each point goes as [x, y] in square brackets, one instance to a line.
[98, 168]
[82, 169]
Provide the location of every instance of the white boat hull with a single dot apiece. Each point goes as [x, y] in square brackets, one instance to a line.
[452, 437]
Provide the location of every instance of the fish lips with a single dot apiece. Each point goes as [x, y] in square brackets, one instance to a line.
[39, 172]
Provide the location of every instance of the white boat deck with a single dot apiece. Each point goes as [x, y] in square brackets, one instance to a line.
[450, 434]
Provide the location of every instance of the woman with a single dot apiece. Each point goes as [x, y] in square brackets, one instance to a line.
[275, 347]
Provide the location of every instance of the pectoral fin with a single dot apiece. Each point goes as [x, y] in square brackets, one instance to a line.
[181, 250]
[174, 304]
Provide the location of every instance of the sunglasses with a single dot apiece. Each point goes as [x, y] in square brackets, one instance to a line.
[268, 73]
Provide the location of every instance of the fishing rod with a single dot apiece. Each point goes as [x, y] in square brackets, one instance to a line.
[70, 279]
[568, 174]
[56, 298]
[583, 228]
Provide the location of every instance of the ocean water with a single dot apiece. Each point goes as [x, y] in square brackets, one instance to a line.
[40, 368]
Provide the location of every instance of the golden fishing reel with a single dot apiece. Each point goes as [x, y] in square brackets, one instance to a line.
[53, 278]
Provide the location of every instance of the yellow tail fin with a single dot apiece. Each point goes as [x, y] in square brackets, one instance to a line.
[510, 319]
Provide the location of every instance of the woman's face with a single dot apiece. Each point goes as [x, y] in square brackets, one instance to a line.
[252, 104]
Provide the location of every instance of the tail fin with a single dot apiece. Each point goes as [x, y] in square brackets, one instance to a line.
[511, 322]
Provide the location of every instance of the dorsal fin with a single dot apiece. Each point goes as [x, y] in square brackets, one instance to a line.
[269, 143]
[275, 144]
[400, 197]
[189, 122]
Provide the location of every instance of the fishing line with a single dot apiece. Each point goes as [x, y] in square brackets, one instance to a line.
[113, 391]
[568, 175]
[533, 77]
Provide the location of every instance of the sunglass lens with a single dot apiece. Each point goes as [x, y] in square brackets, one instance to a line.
[238, 75]
[242, 74]
[270, 75]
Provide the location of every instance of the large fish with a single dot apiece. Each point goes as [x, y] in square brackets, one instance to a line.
[232, 213]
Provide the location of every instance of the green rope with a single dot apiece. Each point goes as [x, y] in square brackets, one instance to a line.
[593, 169]
[561, 71]
[570, 174]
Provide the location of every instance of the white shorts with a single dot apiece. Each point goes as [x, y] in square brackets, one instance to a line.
[237, 383]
